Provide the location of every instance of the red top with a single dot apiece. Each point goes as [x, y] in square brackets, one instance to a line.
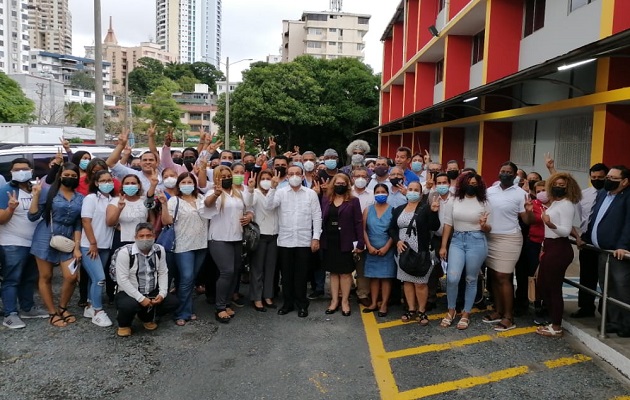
[83, 187]
[537, 228]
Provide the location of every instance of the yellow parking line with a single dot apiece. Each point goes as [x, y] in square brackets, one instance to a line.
[497, 376]
[382, 370]
[432, 317]
[621, 398]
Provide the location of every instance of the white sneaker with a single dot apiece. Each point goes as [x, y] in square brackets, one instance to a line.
[34, 312]
[12, 321]
[88, 312]
[101, 319]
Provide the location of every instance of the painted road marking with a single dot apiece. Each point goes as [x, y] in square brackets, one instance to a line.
[432, 317]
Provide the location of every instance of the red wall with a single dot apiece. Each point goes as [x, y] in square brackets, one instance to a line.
[407, 139]
[413, 7]
[497, 139]
[428, 14]
[387, 60]
[410, 89]
[396, 110]
[397, 51]
[394, 144]
[621, 19]
[456, 6]
[425, 79]
[457, 65]
[453, 145]
[616, 138]
[618, 76]
[421, 141]
[503, 38]
[385, 107]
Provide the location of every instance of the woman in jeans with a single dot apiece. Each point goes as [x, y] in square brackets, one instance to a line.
[96, 242]
[557, 252]
[263, 267]
[61, 211]
[225, 207]
[191, 240]
[466, 218]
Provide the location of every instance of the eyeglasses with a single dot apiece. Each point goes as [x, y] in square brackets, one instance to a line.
[111, 181]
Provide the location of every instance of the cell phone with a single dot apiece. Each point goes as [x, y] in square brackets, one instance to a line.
[215, 139]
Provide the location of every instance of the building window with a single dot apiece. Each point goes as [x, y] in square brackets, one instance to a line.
[363, 20]
[332, 43]
[315, 31]
[87, 95]
[575, 4]
[534, 16]
[477, 47]
[316, 17]
[75, 93]
[439, 71]
[314, 45]
[360, 46]
[523, 142]
[332, 30]
[573, 143]
[441, 5]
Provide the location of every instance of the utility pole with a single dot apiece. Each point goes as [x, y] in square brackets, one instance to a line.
[227, 104]
[40, 94]
[98, 75]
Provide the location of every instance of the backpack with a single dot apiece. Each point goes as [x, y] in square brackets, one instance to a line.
[132, 259]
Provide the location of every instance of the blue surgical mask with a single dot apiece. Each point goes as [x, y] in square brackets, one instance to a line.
[106, 188]
[442, 189]
[413, 196]
[83, 164]
[330, 164]
[380, 198]
[187, 189]
[226, 163]
[130, 190]
[416, 166]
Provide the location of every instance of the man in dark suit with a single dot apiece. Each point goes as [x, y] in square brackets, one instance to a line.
[609, 229]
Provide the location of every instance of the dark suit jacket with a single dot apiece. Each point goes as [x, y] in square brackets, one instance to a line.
[613, 231]
[426, 221]
[350, 224]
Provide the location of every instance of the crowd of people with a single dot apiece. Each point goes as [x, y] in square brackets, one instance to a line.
[146, 233]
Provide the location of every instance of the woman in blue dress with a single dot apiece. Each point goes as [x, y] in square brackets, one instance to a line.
[60, 207]
[380, 265]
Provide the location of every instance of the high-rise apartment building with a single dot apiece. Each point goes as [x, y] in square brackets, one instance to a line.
[14, 45]
[326, 34]
[191, 29]
[50, 26]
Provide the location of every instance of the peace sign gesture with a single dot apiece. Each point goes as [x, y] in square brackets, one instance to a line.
[64, 143]
[123, 138]
[427, 157]
[168, 139]
[58, 157]
[275, 180]
[13, 201]
[36, 189]
[316, 187]
[251, 183]
[483, 219]
[435, 205]
[272, 142]
[151, 131]
[529, 207]
[212, 147]
[241, 140]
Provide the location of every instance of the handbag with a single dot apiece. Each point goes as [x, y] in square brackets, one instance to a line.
[167, 236]
[414, 263]
[60, 242]
[251, 237]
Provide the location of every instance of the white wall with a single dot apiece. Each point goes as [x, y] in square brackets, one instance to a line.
[476, 75]
[438, 92]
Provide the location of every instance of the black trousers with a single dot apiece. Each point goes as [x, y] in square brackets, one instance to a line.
[294, 262]
[588, 278]
[128, 308]
[522, 277]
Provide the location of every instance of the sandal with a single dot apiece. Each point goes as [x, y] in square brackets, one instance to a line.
[193, 317]
[463, 323]
[448, 320]
[409, 316]
[229, 312]
[492, 318]
[180, 322]
[66, 315]
[56, 320]
[225, 319]
[423, 319]
[549, 331]
[501, 327]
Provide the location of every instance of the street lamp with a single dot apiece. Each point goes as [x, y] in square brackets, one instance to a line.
[227, 97]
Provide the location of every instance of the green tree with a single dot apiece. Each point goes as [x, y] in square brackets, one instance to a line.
[82, 80]
[80, 114]
[15, 106]
[164, 111]
[146, 77]
[206, 73]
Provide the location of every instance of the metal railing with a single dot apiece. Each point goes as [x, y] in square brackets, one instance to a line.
[604, 295]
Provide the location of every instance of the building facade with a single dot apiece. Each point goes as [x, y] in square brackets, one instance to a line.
[191, 29]
[222, 86]
[464, 81]
[50, 26]
[325, 34]
[14, 40]
[62, 67]
[48, 96]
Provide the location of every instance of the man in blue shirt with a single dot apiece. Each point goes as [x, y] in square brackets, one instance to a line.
[402, 160]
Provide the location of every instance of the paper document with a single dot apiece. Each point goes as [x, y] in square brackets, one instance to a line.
[444, 265]
[73, 266]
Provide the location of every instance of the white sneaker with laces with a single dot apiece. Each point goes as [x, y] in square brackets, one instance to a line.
[34, 312]
[88, 312]
[13, 321]
[101, 319]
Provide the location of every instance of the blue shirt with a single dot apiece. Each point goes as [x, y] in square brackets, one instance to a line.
[602, 211]
[396, 199]
[410, 176]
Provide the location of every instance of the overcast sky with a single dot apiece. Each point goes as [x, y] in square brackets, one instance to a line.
[251, 28]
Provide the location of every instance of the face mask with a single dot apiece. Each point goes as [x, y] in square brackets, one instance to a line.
[558, 192]
[282, 171]
[611, 186]
[238, 179]
[178, 160]
[295, 181]
[471, 190]
[189, 160]
[265, 185]
[360, 183]
[309, 166]
[507, 180]
[341, 189]
[226, 163]
[395, 181]
[106, 188]
[186, 189]
[226, 183]
[83, 164]
[249, 166]
[330, 164]
[136, 168]
[357, 159]
[542, 197]
[170, 182]
[531, 185]
[416, 166]
[71, 183]
[597, 184]
[413, 196]
[145, 244]
[21, 176]
[452, 174]
[442, 189]
[381, 171]
[298, 164]
[130, 190]
[380, 198]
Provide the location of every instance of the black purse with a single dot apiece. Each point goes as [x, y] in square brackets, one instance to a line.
[414, 263]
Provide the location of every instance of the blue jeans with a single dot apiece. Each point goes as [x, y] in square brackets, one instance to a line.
[188, 266]
[95, 269]
[20, 274]
[467, 250]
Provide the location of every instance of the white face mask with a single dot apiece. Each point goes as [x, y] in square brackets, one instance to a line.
[265, 185]
[357, 159]
[360, 183]
[295, 181]
[170, 182]
[309, 166]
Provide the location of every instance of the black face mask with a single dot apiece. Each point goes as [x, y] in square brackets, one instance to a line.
[282, 171]
[452, 175]
[598, 183]
[249, 166]
[178, 160]
[531, 185]
[471, 190]
[395, 181]
[507, 180]
[71, 183]
[611, 186]
[189, 162]
[136, 168]
[226, 183]
[558, 192]
[380, 171]
[341, 189]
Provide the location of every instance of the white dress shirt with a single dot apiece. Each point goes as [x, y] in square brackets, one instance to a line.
[299, 215]
[366, 198]
[505, 205]
[266, 219]
[226, 214]
[586, 206]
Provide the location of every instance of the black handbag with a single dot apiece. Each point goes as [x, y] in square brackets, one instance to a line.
[414, 263]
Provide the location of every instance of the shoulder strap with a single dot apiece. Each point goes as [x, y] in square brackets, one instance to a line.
[176, 210]
[410, 227]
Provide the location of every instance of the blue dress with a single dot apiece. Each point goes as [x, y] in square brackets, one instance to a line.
[382, 267]
[66, 219]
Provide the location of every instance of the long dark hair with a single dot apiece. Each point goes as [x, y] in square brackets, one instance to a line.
[76, 157]
[462, 184]
[138, 181]
[54, 189]
[183, 176]
[92, 188]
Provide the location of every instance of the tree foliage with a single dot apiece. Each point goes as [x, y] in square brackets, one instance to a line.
[80, 114]
[312, 103]
[82, 80]
[15, 107]
[164, 111]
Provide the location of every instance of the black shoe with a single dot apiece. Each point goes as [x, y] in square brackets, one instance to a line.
[583, 313]
[303, 313]
[259, 309]
[382, 314]
[284, 311]
[316, 294]
[346, 313]
[223, 320]
[330, 311]
[369, 310]
[365, 301]
[238, 302]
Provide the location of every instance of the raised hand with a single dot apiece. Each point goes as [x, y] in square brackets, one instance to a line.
[65, 144]
[121, 202]
[151, 131]
[316, 187]
[36, 189]
[13, 201]
[123, 138]
[529, 207]
[162, 198]
[427, 157]
[435, 205]
[168, 138]
[272, 142]
[402, 188]
[549, 161]
[241, 141]
[275, 181]
[545, 217]
[429, 182]
[212, 147]
[288, 154]
[154, 178]
[203, 161]
[251, 183]
[58, 157]
[126, 151]
[324, 184]
[296, 150]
